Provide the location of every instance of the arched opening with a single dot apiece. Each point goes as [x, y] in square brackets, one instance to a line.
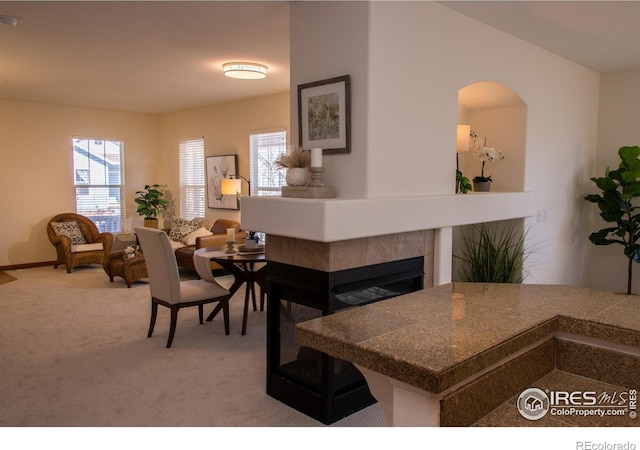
[497, 117]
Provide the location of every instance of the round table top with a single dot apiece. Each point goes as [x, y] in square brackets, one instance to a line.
[239, 256]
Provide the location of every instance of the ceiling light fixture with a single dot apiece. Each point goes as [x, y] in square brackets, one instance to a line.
[8, 20]
[245, 70]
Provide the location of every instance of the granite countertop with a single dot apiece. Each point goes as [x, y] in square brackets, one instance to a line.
[437, 337]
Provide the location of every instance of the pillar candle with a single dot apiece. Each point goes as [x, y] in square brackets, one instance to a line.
[231, 234]
[316, 157]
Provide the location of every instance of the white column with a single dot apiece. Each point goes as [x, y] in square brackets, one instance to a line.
[442, 256]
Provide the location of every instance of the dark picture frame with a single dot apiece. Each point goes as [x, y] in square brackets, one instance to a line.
[324, 115]
[219, 168]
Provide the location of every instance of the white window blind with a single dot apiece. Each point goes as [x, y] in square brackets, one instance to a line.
[264, 149]
[98, 179]
[192, 180]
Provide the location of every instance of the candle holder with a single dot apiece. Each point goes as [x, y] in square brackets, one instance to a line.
[230, 248]
[316, 176]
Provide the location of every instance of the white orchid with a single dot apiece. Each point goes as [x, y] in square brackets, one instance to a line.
[487, 154]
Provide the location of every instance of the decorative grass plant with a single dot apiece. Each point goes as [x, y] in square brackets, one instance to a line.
[493, 253]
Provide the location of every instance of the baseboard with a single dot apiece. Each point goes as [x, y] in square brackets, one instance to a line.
[28, 265]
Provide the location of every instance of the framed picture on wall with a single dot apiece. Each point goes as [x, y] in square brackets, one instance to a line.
[219, 168]
[324, 117]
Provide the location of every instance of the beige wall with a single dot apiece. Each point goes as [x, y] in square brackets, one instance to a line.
[37, 168]
[225, 128]
[36, 159]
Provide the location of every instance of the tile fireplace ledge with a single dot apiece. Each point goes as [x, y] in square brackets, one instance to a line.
[335, 219]
[435, 340]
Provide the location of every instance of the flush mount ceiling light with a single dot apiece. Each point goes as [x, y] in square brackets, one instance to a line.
[8, 20]
[245, 70]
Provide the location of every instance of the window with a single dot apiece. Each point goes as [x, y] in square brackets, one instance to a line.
[98, 180]
[192, 181]
[264, 149]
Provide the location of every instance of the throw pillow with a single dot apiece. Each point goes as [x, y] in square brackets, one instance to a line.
[71, 230]
[190, 239]
[181, 227]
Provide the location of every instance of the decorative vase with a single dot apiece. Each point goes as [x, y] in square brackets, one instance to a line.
[482, 186]
[297, 176]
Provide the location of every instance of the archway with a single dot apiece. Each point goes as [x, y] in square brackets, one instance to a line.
[498, 115]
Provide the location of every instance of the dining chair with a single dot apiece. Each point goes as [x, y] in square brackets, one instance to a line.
[165, 285]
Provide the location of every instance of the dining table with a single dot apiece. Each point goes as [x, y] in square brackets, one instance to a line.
[247, 265]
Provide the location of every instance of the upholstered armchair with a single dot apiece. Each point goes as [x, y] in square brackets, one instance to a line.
[77, 241]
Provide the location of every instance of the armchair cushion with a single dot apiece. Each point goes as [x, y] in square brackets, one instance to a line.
[181, 227]
[86, 247]
[71, 230]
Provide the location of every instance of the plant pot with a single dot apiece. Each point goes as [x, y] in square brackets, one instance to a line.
[297, 176]
[151, 223]
[482, 186]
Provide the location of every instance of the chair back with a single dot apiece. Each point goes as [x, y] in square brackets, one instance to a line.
[164, 277]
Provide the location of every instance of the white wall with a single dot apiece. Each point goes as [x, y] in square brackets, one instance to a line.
[617, 127]
[37, 168]
[330, 39]
[407, 115]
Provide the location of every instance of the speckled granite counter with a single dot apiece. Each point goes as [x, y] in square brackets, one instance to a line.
[500, 336]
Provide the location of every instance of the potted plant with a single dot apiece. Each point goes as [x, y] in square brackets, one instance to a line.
[150, 203]
[482, 183]
[494, 253]
[619, 189]
[296, 161]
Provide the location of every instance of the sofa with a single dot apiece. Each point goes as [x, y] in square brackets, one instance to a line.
[188, 235]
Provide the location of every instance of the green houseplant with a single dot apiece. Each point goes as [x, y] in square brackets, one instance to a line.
[150, 202]
[494, 253]
[619, 188]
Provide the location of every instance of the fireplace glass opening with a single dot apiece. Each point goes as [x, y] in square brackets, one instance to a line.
[316, 384]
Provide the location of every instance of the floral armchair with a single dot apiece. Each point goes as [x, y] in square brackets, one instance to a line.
[77, 241]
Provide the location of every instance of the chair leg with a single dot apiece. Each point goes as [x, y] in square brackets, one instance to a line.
[154, 314]
[201, 313]
[172, 327]
[225, 314]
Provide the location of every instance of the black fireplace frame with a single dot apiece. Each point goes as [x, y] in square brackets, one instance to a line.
[325, 399]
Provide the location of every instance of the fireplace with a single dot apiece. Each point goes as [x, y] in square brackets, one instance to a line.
[312, 382]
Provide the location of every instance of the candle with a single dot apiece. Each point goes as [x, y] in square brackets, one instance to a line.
[231, 234]
[316, 157]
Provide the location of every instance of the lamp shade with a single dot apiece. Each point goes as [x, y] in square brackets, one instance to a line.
[231, 186]
[462, 141]
[245, 70]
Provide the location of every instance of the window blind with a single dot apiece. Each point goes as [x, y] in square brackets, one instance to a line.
[264, 149]
[192, 179]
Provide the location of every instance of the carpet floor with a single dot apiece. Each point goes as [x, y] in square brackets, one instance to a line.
[74, 353]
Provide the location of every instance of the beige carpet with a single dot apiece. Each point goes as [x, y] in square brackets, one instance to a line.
[74, 353]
